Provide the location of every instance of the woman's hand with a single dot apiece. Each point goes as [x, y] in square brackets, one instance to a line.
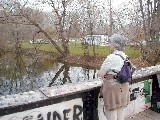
[101, 74]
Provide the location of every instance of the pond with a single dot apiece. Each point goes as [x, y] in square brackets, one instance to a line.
[22, 73]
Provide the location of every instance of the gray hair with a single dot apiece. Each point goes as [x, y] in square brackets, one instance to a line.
[118, 41]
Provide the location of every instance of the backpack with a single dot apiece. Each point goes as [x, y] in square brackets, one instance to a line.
[126, 72]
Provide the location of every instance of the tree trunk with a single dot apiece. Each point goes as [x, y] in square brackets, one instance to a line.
[151, 26]
[44, 32]
[110, 17]
[65, 47]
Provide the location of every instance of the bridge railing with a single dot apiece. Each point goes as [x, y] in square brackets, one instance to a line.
[78, 101]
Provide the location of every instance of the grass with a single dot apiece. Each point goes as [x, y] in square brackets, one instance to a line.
[77, 49]
[133, 52]
[43, 47]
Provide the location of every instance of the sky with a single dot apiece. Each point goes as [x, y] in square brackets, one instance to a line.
[115, 3]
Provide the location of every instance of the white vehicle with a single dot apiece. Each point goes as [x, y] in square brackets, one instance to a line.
[37, 41]
[101, 40]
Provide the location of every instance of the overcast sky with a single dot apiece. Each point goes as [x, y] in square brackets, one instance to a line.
[115, 3]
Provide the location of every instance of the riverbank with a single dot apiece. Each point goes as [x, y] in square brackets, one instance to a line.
[95, 62]
[77, 58]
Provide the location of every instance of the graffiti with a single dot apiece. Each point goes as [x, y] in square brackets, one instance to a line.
[28, 118]
[64, 116]
[141, 89]
[69, 110]
[54, 115]
[140, 97]
[138, 92]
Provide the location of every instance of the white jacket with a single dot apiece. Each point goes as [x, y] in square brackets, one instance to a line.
[113, 62]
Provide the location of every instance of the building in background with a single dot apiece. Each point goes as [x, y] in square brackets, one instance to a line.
[101, 40]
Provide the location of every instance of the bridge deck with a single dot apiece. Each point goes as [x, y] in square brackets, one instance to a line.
[145, 115]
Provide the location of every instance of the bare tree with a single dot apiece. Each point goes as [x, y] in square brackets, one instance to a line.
[60, 9]
[15, 12]
[150, 11]
[139, 20]
[110, 17]
[92, 22]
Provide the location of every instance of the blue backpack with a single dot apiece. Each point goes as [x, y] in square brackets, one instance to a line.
[126, 72]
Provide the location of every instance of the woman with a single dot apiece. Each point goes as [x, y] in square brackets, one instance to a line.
[116, 96]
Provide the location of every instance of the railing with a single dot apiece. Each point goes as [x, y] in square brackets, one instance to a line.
[78, 101]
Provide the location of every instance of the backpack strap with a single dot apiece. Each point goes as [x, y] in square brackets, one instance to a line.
[122, 57]
[124, 60]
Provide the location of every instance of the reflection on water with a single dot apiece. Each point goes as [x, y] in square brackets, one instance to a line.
[19, 73]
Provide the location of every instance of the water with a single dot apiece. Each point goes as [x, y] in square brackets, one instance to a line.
[19, 73]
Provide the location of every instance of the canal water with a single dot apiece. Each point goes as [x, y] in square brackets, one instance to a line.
[22, 73]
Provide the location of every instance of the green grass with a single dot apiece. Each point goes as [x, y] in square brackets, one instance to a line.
[76, 49]
[133, 52]
[103, 50]
[43, 47]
